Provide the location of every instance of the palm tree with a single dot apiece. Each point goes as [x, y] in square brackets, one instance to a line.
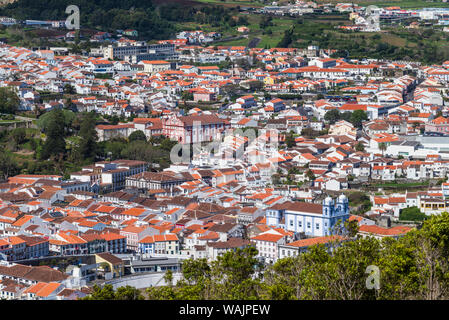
[382, 147]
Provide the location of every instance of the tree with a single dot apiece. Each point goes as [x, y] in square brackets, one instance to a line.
[231, 90]
[413, 266]
[69, 89]
[358, 117]
[287, 39]
[432, 249]
[360, 147]
[128, 293]
[290, 140]
[105, 293]
[332, 116]
[8, 166]
[309, 132]
[382, 147]
[108, 293]
[233, 272]
[9, 101]
[266, 21]
[283, 279]
[412, 214]
[345, 271]
[18, 135]
[195, 270]
[399, 271]
[167, 144]
[137, 135]
[70, 120]
[351, 227]
[87, 147]
[231, 276]
[168, 277]
[256, 85]
[115, 119]
[55, 144]
[310, 175]
[346, 116]
[187, 96]
[139, 150]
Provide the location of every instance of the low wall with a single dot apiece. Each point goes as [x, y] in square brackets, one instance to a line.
[141, 281]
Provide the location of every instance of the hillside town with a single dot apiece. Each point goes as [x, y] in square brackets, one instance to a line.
[289, 146]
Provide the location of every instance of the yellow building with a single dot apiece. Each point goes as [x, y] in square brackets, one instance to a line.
[155, 66]
[353, 15]
[110, 263]
[433, 205]
[269, 80]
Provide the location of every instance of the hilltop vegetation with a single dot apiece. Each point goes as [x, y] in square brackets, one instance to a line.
[151, 20]
[65, 141]
[394, 42]
[108, 14]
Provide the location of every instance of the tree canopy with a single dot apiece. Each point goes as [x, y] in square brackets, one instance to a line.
[9, 101]
[137, 135]
[413, 266]
[108, 293]
[55, 144]
[412, 214]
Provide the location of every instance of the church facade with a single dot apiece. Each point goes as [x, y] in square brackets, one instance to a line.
[314, 220]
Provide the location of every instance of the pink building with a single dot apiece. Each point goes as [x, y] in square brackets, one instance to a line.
[439, 124]
[195, 128]
[203, 95]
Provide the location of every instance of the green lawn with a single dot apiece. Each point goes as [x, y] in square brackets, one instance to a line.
[237, 43]
[277, 31]
[400, 185]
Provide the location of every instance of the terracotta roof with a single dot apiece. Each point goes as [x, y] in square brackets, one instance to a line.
[110, 258]
[394, 231]
[312, 241]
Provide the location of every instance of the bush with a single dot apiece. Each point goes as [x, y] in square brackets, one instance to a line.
[412, 214]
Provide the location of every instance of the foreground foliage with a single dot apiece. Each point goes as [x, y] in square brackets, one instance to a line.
[414, 266]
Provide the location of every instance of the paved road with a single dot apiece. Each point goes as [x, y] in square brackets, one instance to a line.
[254, 42]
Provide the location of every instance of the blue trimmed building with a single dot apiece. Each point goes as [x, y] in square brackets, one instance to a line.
[315, 220]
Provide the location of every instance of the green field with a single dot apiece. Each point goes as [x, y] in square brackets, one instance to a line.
[267, 39]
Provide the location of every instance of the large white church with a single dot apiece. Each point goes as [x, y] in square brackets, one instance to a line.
[312, 219]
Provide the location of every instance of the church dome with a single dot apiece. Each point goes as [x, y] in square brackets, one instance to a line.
[342, 199]
[328, 201]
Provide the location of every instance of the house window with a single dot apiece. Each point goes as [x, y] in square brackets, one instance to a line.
[308, 225]
[291, 223]
[317, 226]
[299, 224]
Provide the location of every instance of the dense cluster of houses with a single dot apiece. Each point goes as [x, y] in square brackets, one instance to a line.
[265, 171]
